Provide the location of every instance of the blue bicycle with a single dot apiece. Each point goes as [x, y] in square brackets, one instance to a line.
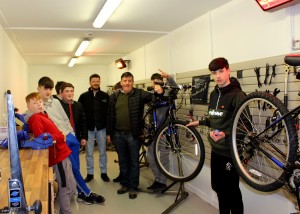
[178, 149]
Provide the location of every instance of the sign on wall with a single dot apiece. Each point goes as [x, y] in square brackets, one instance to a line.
[200, 89]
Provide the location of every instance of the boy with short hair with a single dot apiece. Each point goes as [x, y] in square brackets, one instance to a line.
[40, 123]
[223, 99]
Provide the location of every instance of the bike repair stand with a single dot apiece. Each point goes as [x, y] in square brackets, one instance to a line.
[181, 193]
[143, 158]
[16, 198]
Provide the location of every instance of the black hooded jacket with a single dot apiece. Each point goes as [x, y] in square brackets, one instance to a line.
[223, 102]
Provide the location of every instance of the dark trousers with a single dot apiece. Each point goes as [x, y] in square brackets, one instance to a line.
[128, 148]
[225, 182]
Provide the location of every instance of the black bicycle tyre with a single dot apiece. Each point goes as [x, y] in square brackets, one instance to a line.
[192, 145]
[243, 165]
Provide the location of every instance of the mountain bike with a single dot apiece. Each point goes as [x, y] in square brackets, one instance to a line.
[265, 141]
[178, 149]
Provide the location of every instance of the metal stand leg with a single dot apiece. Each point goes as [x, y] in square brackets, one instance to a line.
[143, 158]
[181, 195]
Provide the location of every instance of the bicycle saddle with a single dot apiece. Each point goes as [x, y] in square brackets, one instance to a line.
[292, 59]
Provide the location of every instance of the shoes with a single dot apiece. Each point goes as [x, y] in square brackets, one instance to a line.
[86, 200]
[117, 179]
[156, 186]
[104, 177]
[123, 190]
[92, 198]
[98, 199]
[132, 194]
[88, 178]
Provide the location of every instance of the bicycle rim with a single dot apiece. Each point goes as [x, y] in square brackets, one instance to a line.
[251, 154]
[179, 151]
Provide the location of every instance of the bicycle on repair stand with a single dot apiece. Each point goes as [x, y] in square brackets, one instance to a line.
[178, 149]
[265, 141]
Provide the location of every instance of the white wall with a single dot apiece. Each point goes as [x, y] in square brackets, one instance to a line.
[78, 76]
[13, 74]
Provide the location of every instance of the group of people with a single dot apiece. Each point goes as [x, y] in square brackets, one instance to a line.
[117, 119]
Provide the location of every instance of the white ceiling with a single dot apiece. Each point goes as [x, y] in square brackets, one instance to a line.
[47, 32]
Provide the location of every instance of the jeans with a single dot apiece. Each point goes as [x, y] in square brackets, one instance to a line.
[128, 148]
[100, 137]
[74, 146]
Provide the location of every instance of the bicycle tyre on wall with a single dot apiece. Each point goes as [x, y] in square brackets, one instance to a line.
[183, 159]
[281, 141]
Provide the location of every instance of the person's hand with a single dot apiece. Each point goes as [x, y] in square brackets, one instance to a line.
[158, 89]
[83, 142]
[163, 73]
[193, 123]
[108, 139]
[217, 135]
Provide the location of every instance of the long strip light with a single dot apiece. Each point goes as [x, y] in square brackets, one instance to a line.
[72, 62]
[107, 10]
[83, 45]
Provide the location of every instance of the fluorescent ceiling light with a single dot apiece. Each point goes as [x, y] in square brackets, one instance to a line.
[83, 45]
[107, 10]
[72, 62]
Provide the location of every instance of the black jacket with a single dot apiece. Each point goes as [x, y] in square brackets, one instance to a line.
[223, 102]
[78, 117]
[95, 108]
[136, 101]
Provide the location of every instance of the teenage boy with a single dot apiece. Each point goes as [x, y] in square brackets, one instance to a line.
[40, 123]
[223, 101]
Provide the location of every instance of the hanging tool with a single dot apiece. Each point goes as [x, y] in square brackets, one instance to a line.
[276, 91]
[267, 74]
[257, 71]
[273, 73]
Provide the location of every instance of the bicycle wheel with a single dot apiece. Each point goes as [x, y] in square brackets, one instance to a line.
[261, 156]
[179, 151]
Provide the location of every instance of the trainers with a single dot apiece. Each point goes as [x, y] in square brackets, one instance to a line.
[86, 200]
[132, 194]
[156, 186]
[117, 179]
[123, 190]
[104, 177]
[98, 199]
[88, 178]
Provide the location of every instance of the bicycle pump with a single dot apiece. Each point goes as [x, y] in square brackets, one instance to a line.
[16, 194]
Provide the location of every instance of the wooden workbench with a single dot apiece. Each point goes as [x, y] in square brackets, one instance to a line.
[36, 176]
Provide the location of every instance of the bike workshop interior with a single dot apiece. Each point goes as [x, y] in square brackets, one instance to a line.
[39, 38]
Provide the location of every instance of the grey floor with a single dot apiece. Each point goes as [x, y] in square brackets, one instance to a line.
[145, 203]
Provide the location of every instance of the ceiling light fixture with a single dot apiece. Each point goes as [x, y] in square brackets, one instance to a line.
[107, 10]
[82, 47]
[120, 63]
[72, 62]
[270, 4]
